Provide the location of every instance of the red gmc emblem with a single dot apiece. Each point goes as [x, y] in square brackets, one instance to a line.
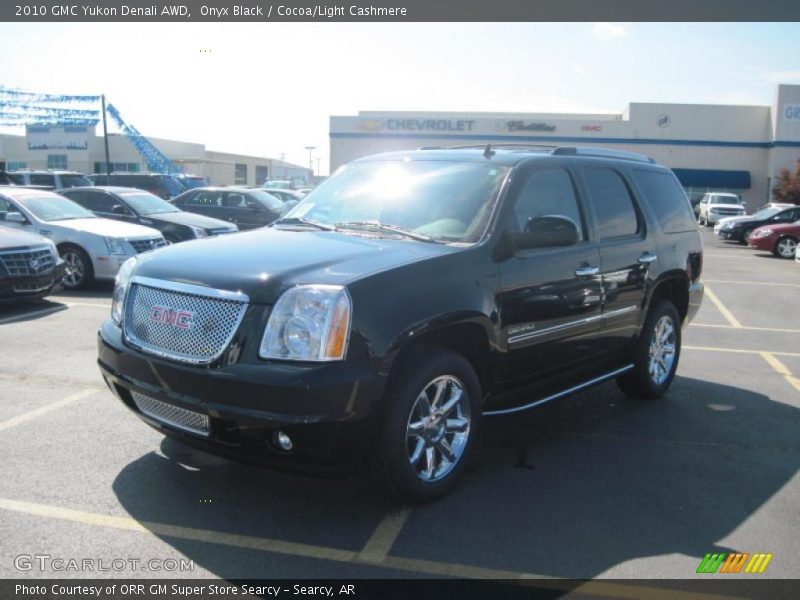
[182, 319]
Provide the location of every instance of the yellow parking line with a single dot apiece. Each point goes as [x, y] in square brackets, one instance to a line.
[752, 282]
[722, 308]
[380, 543]
[43, 410]
[737, 350]
[733, 254]
[747, 328]
[781, 369]
[35, 313]
[94, 304]
[411, 565]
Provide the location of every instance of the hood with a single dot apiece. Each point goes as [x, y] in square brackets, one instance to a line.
[187, 218]
[724, 220]
[12, 238]
[264, 262]
[108, 227]
[779, 228]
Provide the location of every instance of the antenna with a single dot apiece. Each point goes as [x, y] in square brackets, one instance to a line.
[488, 152]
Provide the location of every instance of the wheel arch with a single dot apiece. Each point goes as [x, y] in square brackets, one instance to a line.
[674, 287]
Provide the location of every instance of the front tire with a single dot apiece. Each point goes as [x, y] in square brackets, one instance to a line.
[785, 247]
[79, 271]
[656, 354]
[746, 236]
[428, 427]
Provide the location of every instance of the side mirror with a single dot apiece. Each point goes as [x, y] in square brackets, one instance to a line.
[118, 209]
[546, 232]
[16, 217]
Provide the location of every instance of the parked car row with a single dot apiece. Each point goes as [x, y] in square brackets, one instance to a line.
[773, 229]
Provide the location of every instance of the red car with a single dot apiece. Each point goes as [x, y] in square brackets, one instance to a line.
[780, 239]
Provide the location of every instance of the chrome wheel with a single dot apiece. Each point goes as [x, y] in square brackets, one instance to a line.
[438, 428]
[662, 350]
[787, 247]
[75, 269]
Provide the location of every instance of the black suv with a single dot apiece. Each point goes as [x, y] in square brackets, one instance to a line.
[162, 185]
[402, 301]
[133, 205]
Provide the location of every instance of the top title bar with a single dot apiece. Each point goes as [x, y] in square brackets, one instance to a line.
[401, 10]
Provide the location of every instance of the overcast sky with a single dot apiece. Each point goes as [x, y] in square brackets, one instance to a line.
[267, 89]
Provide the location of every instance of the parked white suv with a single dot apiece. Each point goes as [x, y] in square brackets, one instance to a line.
[717, 205]
[50, 179]
[92, 247]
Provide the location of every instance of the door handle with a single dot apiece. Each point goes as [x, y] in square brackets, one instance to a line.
[586, 271]
[647, 258]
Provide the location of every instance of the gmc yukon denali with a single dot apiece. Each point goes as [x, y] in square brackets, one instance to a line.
[401, 302]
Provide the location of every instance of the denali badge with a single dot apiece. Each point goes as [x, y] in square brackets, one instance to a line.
[182, 319]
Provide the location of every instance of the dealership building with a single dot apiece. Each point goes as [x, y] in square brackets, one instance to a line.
[78, 148]
[739, 149]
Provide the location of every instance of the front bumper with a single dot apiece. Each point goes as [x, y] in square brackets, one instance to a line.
[325, 408]
[14, 289]
[762, 243]
[106, 266]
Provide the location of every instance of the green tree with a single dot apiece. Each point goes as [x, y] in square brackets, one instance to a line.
[787, 186]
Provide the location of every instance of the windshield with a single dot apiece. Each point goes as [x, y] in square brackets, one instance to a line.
[726, 200]
[441, 200]
[68, 181]
[54, 208]
[766, 213]
[147, 204]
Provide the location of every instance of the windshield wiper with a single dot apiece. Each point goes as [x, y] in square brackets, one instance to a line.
[378, 226]
[302, 221]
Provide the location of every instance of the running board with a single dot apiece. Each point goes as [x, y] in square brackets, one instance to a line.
[561, 394]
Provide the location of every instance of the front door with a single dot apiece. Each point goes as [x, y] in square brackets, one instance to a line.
[550, 298]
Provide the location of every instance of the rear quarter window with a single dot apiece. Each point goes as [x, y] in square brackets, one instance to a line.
[667, 200]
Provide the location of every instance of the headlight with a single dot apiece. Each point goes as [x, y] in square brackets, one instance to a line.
[309, 322]
[199, 232]
[51, 245]
[121, 288]
[759, 233]
[114, 246]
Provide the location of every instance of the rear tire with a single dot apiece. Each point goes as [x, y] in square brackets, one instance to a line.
[80, 272]
[656, 354]
[785, 247]
[433, 410]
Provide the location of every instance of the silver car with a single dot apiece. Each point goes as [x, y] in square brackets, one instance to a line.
[92, 247]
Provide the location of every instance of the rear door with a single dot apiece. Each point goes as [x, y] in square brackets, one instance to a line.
[626, 253]
[549, 297]
[207, 202]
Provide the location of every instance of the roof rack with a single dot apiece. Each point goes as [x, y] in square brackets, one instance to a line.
[602, 153]
[493, 145]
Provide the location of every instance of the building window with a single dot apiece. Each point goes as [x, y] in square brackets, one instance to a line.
[16, 165]
[117, 167]
[240, 174]
[57, 161]
[262, 174]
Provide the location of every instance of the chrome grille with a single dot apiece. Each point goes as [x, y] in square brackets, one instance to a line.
[177, 322]
[213, 232]
[28, 263]
[146, 245]
[176, 416]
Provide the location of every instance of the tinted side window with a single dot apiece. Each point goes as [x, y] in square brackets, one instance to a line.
[613, 204]
[100, 201]
[667, 199]
[205, 199]
[548, 192]
[37, 179]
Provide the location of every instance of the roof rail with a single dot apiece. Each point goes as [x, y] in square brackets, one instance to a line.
[602, 153]
[483, 146]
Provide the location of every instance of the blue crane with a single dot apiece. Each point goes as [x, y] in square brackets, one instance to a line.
[155, 159]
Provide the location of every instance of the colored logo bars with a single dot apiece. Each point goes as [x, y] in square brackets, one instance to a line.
[733, 563]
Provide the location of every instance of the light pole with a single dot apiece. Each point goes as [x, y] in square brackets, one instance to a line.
[310, 163]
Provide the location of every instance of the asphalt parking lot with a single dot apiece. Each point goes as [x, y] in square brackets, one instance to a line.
[593, 486]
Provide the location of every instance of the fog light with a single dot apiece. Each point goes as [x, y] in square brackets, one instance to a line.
[283, 441]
